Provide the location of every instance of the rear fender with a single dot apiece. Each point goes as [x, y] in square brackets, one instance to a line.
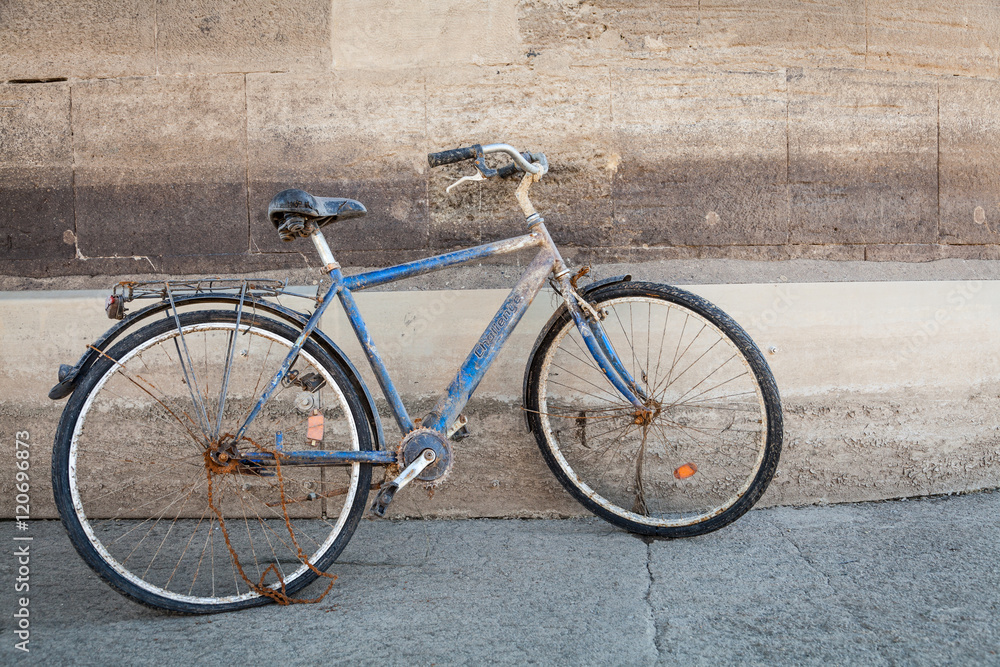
[69, 375]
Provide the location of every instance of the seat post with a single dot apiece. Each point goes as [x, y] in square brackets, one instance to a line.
[325, 254]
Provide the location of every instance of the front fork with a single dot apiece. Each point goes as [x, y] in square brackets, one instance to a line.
[588, 323]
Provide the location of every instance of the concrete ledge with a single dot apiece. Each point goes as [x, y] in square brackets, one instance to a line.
[889, 388]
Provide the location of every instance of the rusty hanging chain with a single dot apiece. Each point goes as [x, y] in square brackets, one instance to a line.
[212, 468]
[281, 597]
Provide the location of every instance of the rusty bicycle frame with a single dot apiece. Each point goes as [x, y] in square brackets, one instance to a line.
[449, 406]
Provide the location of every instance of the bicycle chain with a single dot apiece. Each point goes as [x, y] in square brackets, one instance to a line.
[280, 597]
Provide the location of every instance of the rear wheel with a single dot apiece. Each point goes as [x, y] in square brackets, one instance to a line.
[707, 446]
[167, 524]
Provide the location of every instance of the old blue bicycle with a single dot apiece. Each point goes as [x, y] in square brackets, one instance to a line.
[217, 448]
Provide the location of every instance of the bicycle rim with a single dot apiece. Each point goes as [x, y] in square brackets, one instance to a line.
[170, 529]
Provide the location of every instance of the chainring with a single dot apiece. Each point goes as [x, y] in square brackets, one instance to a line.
[416, 441]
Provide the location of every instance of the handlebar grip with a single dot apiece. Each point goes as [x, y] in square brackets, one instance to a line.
[452, 156]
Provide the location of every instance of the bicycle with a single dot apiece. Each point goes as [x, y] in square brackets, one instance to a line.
[216, 459]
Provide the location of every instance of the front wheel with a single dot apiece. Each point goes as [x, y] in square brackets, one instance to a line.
[165, 523]
[707, 445]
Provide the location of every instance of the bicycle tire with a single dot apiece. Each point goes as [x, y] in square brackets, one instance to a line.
[713, 442]
[132, 483]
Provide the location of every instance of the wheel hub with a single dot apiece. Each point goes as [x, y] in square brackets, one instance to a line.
[645, 416]
[223, 458]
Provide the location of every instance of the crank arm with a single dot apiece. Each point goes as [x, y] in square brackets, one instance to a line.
[410, 473]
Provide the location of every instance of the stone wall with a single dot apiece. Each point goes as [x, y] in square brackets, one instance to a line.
[148, 136]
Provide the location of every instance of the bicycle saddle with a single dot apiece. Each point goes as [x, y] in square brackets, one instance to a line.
[318, 210]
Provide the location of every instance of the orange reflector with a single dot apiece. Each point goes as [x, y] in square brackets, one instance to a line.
[685, 471]
[315, 431]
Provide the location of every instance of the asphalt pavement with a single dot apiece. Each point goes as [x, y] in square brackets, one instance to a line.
[913, 582]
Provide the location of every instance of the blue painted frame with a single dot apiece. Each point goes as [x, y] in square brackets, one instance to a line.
[473, 369]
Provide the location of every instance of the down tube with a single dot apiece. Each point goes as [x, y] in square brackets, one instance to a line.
[490, 343]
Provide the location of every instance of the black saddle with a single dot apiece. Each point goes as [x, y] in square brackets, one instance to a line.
[297, 208]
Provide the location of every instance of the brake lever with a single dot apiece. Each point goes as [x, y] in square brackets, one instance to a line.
[478, 176]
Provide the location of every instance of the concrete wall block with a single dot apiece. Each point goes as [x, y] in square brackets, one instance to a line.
[36, 213]
[416, 33]
[951, 38]
[877, 404]
[101, 271]
[702, 157]
[930, 252]
[36, 179]
[970, 155]
[605, 31]
[360, 135]
[35, 125]
[564, 113]
[760, 35]
[781, 33]
[44, 39]
[862, 157]
[161, 166]
[243, 36]
[37, 333]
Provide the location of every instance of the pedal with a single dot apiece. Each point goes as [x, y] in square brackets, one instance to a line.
[458, 431]
[409, 474]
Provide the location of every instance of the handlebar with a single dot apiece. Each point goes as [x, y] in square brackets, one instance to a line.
[533, 163]
[450, 157]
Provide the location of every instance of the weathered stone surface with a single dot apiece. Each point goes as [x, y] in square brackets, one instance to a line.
[36, 213]
[925, 252]
[760, 35]
[36, 179]
[604, 31]
[702, 158]
[161, 166]
[96, 272]
[571, 124]
[781, 33]
[358, 135]
[960, 37]
[862, 157]
[47, 39]
[243, 36]
[677, 129]
[970, 155]
[411, 33]
[838, 253]
[35, 125]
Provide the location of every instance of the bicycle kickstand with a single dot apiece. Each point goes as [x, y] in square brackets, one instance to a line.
[409, 474]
